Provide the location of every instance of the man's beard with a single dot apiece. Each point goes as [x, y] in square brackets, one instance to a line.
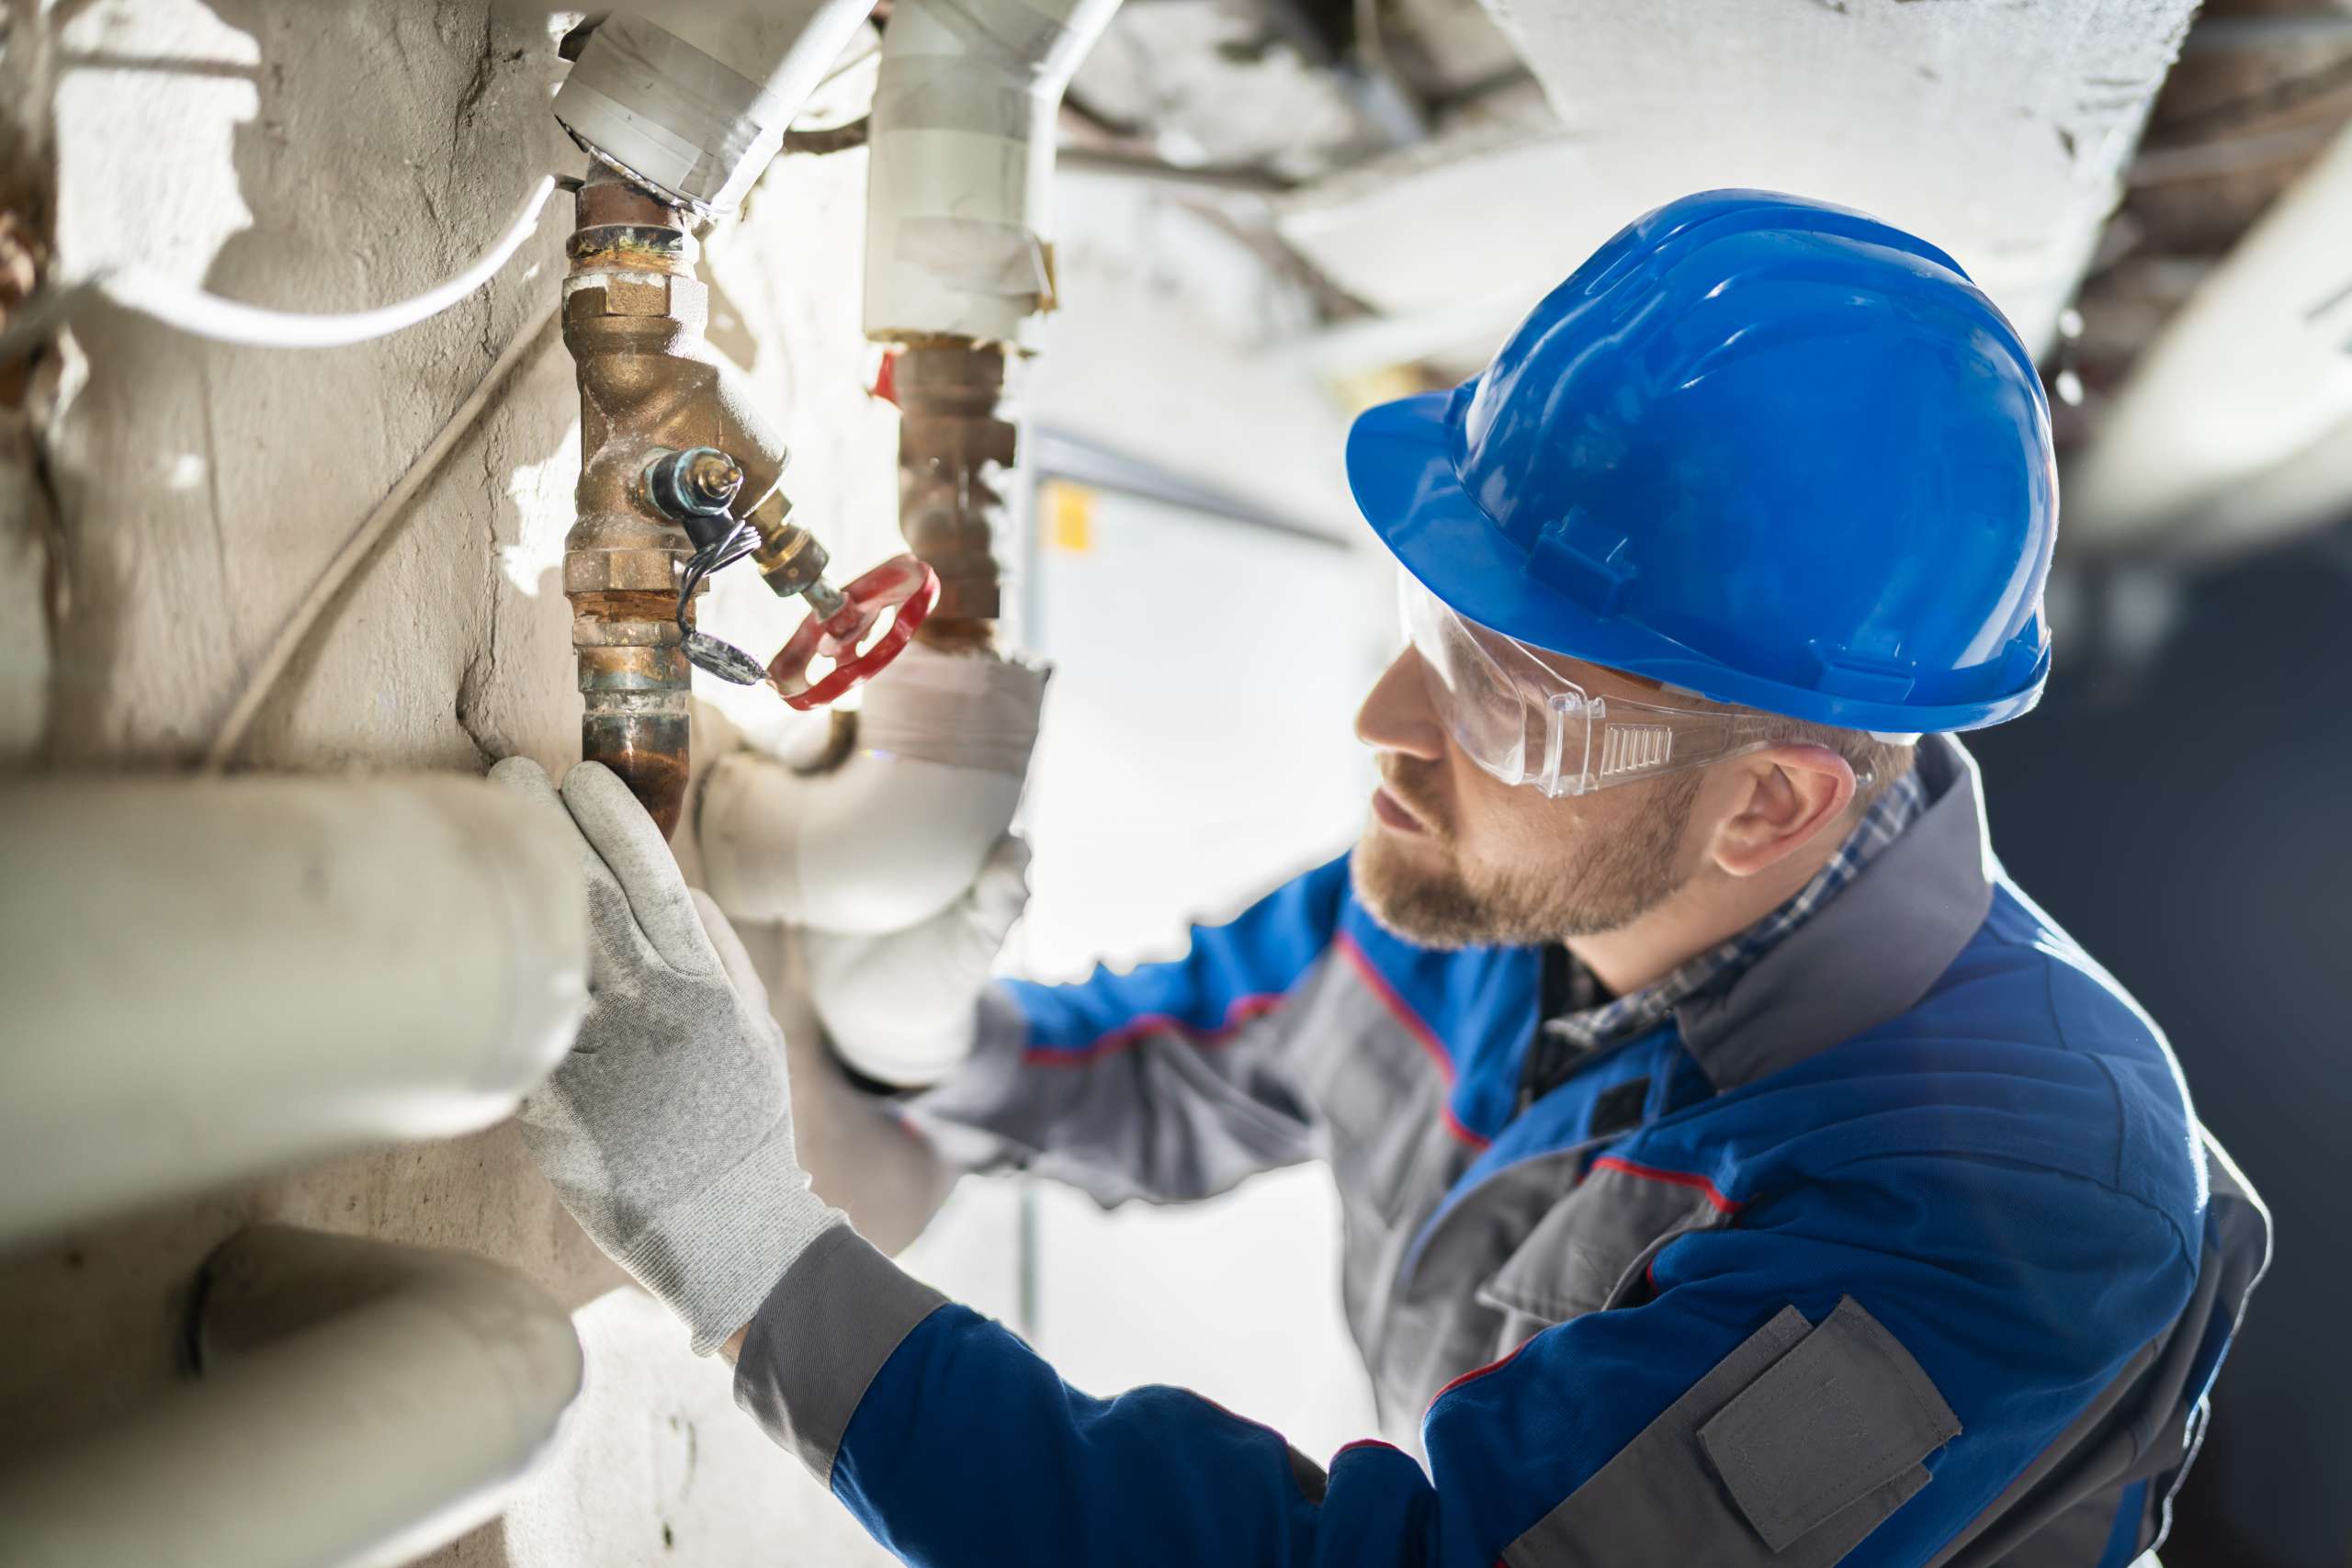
[1616, 877]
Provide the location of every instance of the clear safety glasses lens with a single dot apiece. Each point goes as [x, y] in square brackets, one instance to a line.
[1493, 718]
[1525, 721]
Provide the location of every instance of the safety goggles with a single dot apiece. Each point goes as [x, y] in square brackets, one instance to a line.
[1515, 712]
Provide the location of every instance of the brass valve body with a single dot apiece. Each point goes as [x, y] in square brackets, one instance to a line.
[634, 314]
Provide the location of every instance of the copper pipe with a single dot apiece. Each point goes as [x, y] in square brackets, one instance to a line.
[634, 314]
[957, 443]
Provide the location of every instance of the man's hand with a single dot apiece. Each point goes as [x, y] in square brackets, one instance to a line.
[667, 1131]
[901, 1007]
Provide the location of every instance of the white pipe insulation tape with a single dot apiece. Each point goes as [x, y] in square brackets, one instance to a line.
[696, 107]
[959, 190]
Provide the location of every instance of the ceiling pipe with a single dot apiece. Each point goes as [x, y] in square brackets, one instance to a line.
[2246, 382]
[1251, 186]
[209, 980]
[357, 1405]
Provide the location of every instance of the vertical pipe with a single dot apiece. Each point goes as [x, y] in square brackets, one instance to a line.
[633, 318]
[958, 444]
[959, 266]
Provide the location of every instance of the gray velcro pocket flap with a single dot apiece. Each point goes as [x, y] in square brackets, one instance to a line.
[1844, 1414]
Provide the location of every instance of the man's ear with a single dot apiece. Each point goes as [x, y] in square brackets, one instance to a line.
[1784, 797]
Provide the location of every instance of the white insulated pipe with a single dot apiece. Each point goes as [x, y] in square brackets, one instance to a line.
[697, 107]
[205, 979]
[960, 217]
[359, 1404]
[2250, 376]
[898, 830]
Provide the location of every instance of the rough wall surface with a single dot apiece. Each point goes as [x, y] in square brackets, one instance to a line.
[319, 157]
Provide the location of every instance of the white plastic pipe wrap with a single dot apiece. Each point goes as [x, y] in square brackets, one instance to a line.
[958, 211]
[206, 979]
[898, 830]
[697, 106]
[360, 1404]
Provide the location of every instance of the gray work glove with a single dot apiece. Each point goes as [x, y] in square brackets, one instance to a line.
[667, 1132]
[903, 1007]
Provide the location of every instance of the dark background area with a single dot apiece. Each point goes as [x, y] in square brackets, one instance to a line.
[2184, 808]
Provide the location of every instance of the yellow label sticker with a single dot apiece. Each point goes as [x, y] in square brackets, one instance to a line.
[1069, 516]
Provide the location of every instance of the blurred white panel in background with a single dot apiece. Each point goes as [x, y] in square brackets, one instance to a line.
[1197, 750]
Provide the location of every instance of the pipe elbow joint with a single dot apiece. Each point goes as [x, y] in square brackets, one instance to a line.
[902, 827]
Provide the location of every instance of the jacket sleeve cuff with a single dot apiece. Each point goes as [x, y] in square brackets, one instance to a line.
[819, 1339]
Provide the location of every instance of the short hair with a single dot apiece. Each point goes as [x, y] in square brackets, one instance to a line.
[1876, 761]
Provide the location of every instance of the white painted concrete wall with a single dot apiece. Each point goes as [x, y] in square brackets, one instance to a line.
[335, 156]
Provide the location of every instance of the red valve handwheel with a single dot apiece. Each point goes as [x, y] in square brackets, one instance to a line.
[902, 583]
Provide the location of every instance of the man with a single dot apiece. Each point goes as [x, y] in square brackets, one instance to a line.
[1736, 1169]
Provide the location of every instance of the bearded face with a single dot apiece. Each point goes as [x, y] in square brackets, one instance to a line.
[1501, 879]
[1453, 857]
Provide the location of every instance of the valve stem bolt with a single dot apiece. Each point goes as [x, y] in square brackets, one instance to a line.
[694, 488]
[712, 478]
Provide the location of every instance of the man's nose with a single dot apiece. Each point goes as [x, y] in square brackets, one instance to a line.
[1396, 715]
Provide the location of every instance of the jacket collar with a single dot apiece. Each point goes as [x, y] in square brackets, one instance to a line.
[1869, 954]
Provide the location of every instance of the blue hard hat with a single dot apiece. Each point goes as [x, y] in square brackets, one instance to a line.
[1760, 448]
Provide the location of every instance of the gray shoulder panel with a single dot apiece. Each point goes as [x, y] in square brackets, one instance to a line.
[819, 1337]
[1871, 952]
[1790, 1452]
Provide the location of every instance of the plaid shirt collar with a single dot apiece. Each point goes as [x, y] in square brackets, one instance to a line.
[1590, 1024]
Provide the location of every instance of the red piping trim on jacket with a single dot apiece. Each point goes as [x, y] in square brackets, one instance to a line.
[1244, 1010]
[1362, 1443]
[1453, 1125]
[1423, 1035]
[1672, 1178]
[1475, 1374]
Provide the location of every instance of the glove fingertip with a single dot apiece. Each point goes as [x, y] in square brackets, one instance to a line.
[523, 777]
[623, 830]
[594, 786]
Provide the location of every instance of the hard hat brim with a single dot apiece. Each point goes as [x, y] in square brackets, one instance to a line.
[1400, 467]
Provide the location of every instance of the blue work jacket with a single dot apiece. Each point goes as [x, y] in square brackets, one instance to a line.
[1905, 1249]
